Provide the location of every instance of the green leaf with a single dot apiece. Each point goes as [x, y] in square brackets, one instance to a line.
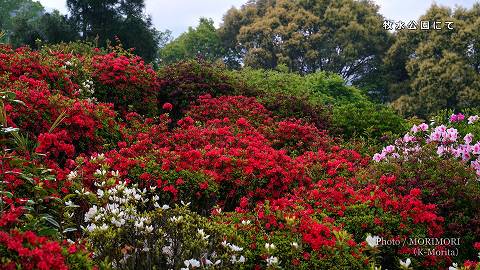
[47, 232]
[50, 220]
[69, 230]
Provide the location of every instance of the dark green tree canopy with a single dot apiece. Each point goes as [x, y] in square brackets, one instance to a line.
[344, 37]
[13, 12]
[431, 70]
[24, 22]
[106, 20]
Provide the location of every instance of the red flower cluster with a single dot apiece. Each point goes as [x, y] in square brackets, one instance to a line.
[34, 252]
[46, 66]
[84, 128]
[126, 80]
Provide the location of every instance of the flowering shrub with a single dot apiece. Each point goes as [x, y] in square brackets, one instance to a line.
[30, 219]
[184, 82]
[26, 250]
[129, 228]
[218, 182]
[46, 66]
[63, 126]
[441, 162]
[447, 142]
[306, 227]
[127, 81]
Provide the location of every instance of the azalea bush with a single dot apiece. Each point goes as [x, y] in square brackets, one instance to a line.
[125, 80]
[443, 163]
[108, 164]
[32, 230]
[185, 81]
[128, 228]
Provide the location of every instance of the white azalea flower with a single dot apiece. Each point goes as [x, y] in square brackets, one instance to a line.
[71, 204]
[101, 172]
[91, 213]
[269, 246]
[202, 234]
[91, 227]
[373, 241]
[272, 260]
[405, 263]
[246, 222]
[192, 262]
[453, 267]
[176, 219]
[72, 175]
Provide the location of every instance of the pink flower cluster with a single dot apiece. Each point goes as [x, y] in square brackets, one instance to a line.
[447, 142]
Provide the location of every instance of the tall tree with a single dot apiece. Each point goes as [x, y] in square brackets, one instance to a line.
[17, 11]
[202, 41]
[436, 69]
[107, 19]
[341, 36]
[49, 28]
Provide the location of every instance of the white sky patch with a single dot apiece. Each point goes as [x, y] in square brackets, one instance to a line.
[407, 10]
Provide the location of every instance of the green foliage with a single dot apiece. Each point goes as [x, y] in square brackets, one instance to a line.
[14, 11]
[432, 70]
[353, 114]
[319, 87]
[368, 120]
[306, 36]
[105, 21]
[202, 41]
[49, 28]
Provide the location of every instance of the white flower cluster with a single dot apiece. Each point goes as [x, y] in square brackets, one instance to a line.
[373, 241]
[124, 207]
[272, 260]
[88, 88]
[120, 209]
[205, 262]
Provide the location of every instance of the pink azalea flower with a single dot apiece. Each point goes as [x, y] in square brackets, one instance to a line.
[472, 119]
[453, 118]
[435, 136]
[378, 157]
[452, 135]
[440, 150]
[414, 129]
[441, 129]
[408, 138]
[468, 138]
[423, 127]
[476, 149]
[389, 149]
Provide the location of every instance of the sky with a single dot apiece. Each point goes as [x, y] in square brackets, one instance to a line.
[178, 15]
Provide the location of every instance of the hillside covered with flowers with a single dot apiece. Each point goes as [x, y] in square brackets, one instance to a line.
[107, 163]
